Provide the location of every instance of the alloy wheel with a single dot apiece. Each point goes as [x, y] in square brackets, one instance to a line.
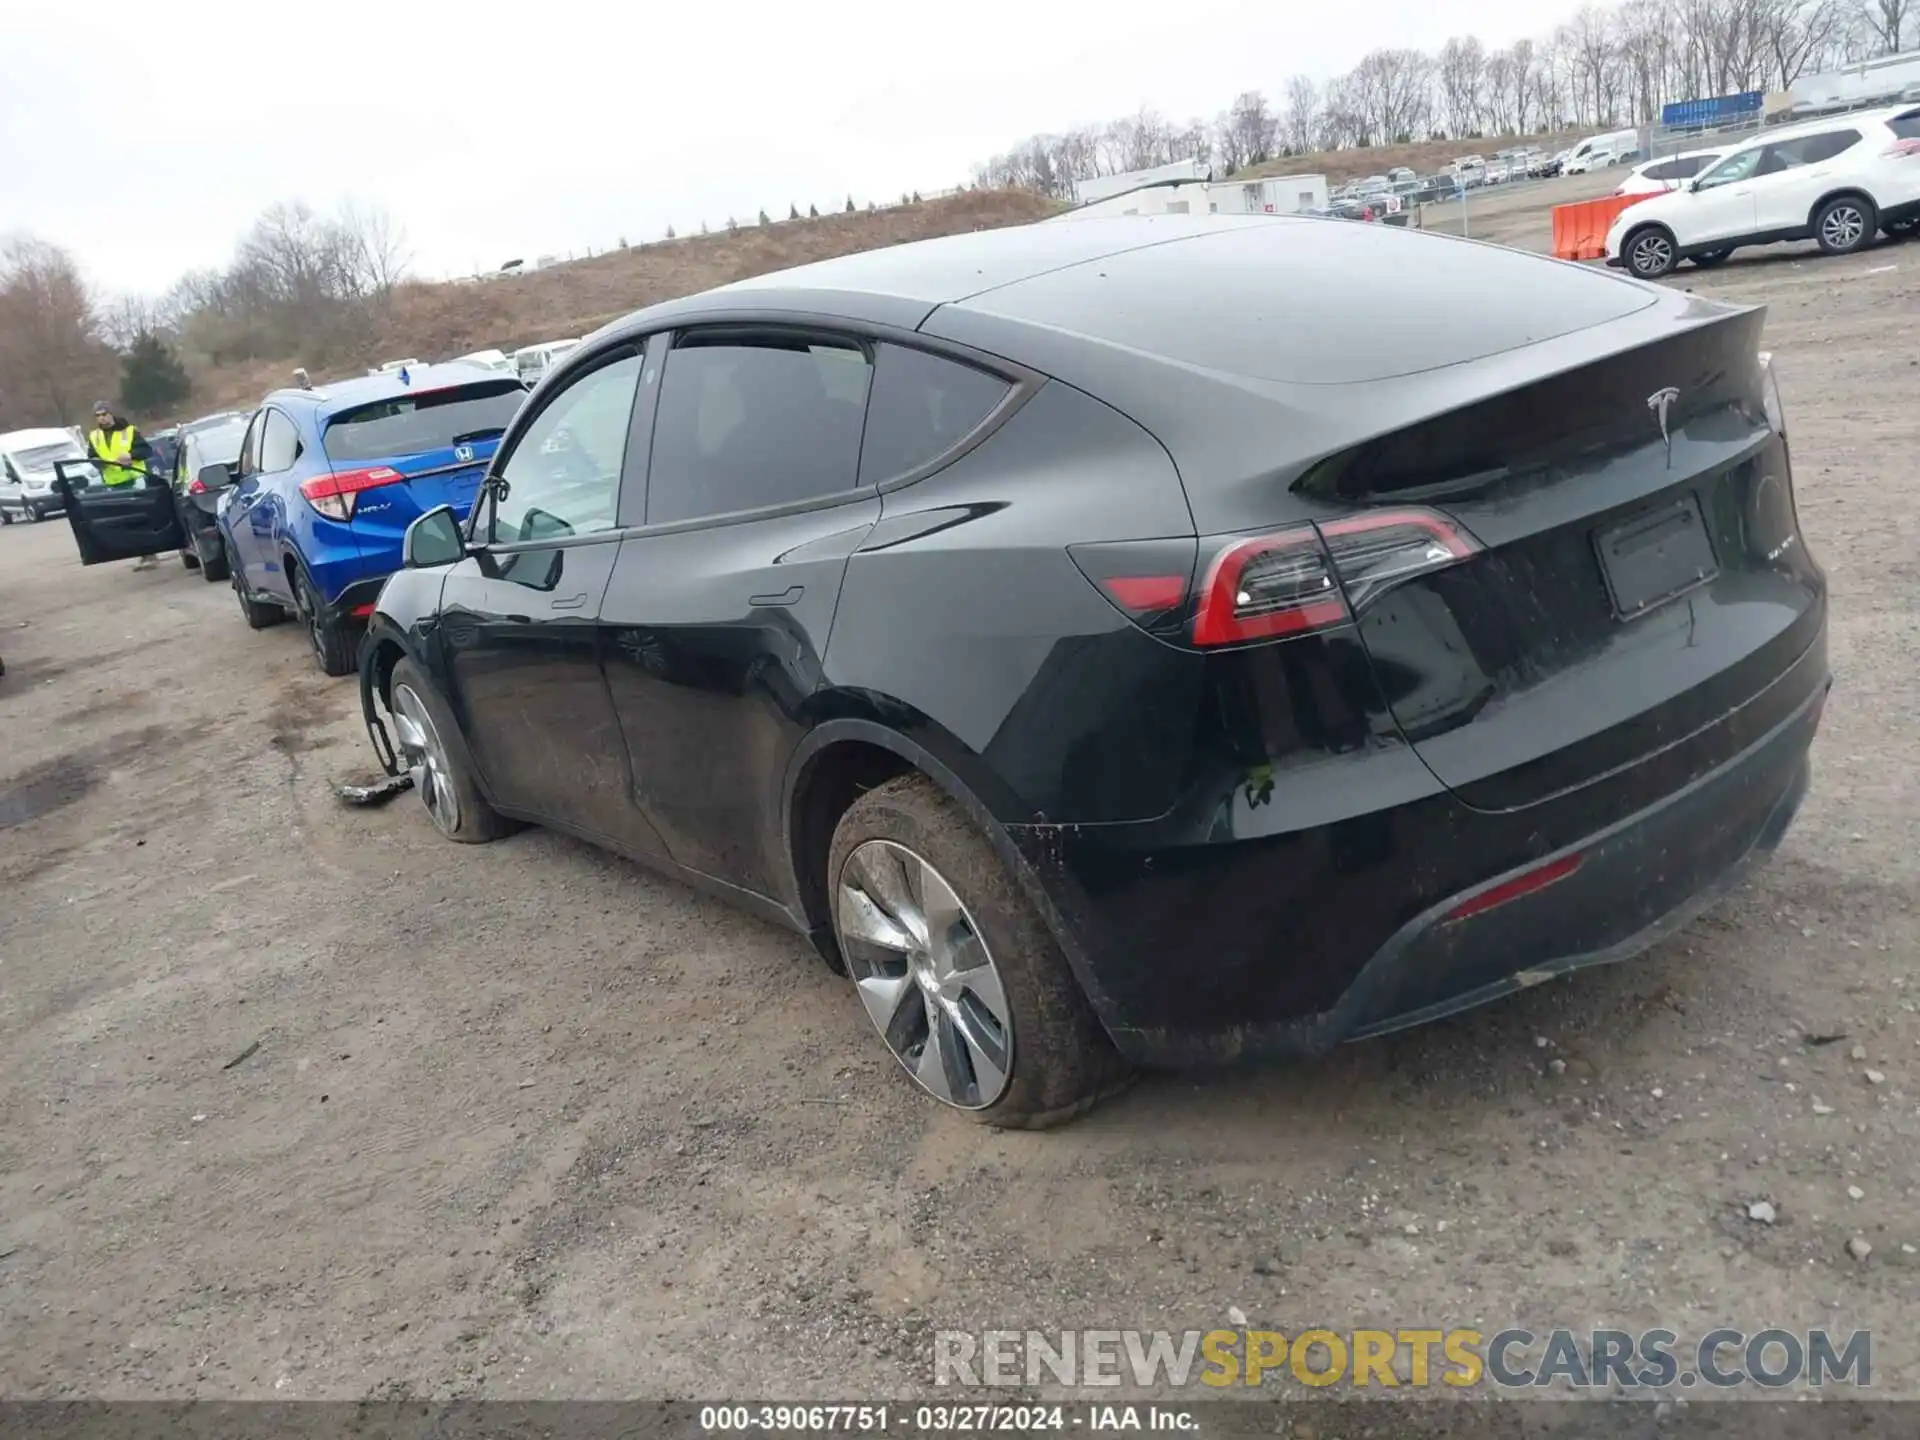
[1843, 227]
[924, 974]
[425, 756]
[1652, 255]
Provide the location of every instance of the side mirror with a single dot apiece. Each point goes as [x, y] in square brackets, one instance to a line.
[214, 477]
[433, 539]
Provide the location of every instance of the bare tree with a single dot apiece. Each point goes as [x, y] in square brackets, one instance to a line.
[1300, 117]
[1462, 73]
[374, 248]
[53, 363]
[1249, 133]
[126, 319]
[1391, 94]
[1885, 21]
[1796, 33]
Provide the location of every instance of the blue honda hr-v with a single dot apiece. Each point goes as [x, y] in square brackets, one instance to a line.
[330, 477]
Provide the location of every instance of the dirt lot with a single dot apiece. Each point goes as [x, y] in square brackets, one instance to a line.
[523, 1120]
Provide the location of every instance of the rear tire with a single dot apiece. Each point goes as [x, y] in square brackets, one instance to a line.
[259, 614]
[333, 640]
[1845, 224]
[1650, 252]
[430, 746]
[1024, 1048]
[213, 568]
[188, 560]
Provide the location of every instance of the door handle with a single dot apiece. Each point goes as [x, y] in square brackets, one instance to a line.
[788, 596]
[572, 602]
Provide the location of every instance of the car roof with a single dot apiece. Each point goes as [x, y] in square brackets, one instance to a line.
[364, 389]
[903, 284]
[1839, 120]
[33, 439]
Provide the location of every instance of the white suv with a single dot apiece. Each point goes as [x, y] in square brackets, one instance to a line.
[1836, 180]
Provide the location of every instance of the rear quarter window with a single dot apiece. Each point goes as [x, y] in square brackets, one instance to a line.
[922, 407]
[416, 423]
[1907, 126]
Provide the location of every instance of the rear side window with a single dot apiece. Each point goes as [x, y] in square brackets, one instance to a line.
[748, 422]
[1807, 150]
[1907, 126]
[431, 420]
[279, 444]
[922, 407]
[250, 447]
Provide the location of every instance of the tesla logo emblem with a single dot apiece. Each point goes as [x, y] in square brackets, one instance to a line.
[463, 453]
[1659, 402]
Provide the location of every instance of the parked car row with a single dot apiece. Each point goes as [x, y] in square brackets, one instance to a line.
[1839, 181]
[301, 505]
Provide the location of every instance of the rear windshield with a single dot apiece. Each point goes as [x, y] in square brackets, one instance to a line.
[216, 444]
[415, 424]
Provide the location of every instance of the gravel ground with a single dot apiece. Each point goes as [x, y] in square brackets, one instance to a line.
[298, 1101]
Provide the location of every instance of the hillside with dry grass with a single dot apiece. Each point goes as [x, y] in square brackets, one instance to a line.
[438, 320]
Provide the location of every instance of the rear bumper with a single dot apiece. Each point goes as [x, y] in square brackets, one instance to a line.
[1631, 887]
[1277, 951]
[355, 600]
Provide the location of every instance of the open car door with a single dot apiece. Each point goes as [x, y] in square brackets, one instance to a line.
[118, 522]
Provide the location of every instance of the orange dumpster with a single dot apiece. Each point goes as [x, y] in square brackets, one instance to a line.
[1580, 229]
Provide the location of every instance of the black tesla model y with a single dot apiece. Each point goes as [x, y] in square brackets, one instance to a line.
[1108, 653]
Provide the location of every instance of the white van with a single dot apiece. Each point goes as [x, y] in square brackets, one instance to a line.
[486, 359]
[1598, 151]
[530, 362]
[27, 458]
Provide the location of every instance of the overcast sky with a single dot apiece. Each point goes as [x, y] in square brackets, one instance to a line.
[145, 137]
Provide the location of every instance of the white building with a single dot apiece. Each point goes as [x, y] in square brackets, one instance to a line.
[1271, 195]
[1101, 187]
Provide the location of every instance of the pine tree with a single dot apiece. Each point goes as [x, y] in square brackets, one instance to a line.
[670, 234]
[733, 226]
[151, 375]
[763, 218]
[793, 211]
[916, 197]
[849, 204]
[813, 212]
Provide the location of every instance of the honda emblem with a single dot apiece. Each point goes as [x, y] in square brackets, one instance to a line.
[463, 453]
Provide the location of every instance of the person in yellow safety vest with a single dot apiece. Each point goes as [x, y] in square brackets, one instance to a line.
[122, 452]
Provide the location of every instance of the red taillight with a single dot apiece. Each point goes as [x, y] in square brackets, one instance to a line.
[1902, 148]
[1508, 890]
[335, 495]
[1144, 594]
[1275, 585]
[1308, 578]
[196, 488]
[360, 612]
